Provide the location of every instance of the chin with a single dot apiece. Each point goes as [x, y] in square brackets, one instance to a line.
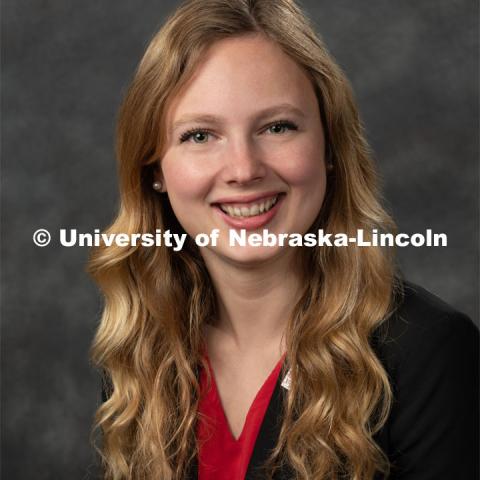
[248, 255]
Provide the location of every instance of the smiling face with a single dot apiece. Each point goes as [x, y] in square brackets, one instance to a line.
[245, 147]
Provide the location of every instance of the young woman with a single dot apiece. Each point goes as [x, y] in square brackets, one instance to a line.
[232, 362]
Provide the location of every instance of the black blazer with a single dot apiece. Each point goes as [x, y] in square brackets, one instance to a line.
[430, 352]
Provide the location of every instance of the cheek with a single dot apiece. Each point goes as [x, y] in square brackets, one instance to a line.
[185, 181]
[303, 166]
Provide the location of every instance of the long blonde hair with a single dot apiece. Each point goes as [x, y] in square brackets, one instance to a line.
[156, 300]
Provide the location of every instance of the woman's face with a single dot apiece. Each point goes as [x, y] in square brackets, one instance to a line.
[245, 148]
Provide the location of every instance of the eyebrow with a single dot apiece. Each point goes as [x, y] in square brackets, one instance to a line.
[283, 108]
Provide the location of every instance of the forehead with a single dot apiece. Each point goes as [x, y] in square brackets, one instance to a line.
[240, 75]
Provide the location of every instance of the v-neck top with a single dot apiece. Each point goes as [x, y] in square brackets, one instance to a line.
[221, 456]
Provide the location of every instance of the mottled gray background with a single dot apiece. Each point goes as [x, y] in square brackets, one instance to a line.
[414, 69]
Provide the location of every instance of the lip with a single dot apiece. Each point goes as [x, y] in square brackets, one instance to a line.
[246, 198]
[250, 223]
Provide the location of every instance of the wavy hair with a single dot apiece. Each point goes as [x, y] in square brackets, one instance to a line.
[149, 339]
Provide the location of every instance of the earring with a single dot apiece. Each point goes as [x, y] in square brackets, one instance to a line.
[157, 185]
[328, 160]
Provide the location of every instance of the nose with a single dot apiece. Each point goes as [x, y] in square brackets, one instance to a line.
[244, 163]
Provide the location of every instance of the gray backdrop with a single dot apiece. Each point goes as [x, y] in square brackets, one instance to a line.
[414, 69]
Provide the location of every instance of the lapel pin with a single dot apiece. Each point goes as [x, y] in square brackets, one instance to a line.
[286, 381]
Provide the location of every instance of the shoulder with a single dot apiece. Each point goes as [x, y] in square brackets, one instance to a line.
[430, 353]
[422, 324]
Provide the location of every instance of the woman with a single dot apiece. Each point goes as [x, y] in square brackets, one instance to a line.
[230, 362]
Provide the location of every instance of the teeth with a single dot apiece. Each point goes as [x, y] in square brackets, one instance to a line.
[251, 210]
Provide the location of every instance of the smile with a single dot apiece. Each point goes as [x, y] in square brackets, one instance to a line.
[245, 210]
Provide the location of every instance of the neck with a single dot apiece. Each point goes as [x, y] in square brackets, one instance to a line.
[254, 303]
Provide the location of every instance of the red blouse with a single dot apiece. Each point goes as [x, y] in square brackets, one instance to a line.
[221, 456]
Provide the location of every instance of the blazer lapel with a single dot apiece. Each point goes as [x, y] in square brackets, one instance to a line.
[268, 436]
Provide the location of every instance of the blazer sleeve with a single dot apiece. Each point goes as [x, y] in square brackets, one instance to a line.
[432, 430]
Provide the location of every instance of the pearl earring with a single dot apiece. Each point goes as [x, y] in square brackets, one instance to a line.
[328, 160]
[157, 186]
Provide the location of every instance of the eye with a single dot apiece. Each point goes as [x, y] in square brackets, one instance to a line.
[281, 126]
[196, 135]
